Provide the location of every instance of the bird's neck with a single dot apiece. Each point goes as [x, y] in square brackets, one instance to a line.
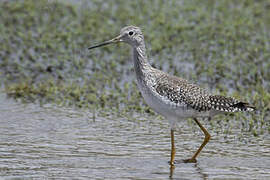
[141, 63]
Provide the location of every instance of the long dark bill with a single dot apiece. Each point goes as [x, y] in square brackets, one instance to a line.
[114, 40]
[101, 44]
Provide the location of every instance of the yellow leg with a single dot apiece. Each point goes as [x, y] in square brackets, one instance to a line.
[171, 171]
[172, 148]
[206, 139]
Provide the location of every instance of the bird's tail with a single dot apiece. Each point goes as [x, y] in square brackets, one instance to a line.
[242, 106]
[228, 104]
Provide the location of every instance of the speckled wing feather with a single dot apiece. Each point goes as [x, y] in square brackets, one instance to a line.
[180, 92]
[229, 104]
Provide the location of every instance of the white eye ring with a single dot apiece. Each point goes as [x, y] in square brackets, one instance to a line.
[130, 33]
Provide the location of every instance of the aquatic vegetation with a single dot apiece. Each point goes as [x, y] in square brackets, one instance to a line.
[222, 45]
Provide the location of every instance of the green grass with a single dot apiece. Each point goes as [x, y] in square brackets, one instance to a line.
[222, 45]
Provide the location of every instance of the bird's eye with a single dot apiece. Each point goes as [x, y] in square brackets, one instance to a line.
[130, 33]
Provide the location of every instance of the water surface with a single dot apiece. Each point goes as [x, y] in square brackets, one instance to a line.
[55, 142]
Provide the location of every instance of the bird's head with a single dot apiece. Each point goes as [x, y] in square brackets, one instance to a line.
[129, 34]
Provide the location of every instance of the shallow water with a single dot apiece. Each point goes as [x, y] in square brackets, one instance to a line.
[53, 142]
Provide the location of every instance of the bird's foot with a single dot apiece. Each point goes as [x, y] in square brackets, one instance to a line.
[182, 161]
[190, 160]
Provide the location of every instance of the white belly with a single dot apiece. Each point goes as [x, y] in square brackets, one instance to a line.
[167, 108]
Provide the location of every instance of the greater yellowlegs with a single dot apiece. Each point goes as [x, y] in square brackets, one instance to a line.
[173, 97]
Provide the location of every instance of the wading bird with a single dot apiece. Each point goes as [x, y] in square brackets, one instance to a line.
[173, 97]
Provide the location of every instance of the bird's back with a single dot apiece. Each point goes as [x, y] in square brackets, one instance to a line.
[173, 95]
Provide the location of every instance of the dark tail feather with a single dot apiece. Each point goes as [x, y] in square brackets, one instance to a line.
[242, 106]
[229, 104]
